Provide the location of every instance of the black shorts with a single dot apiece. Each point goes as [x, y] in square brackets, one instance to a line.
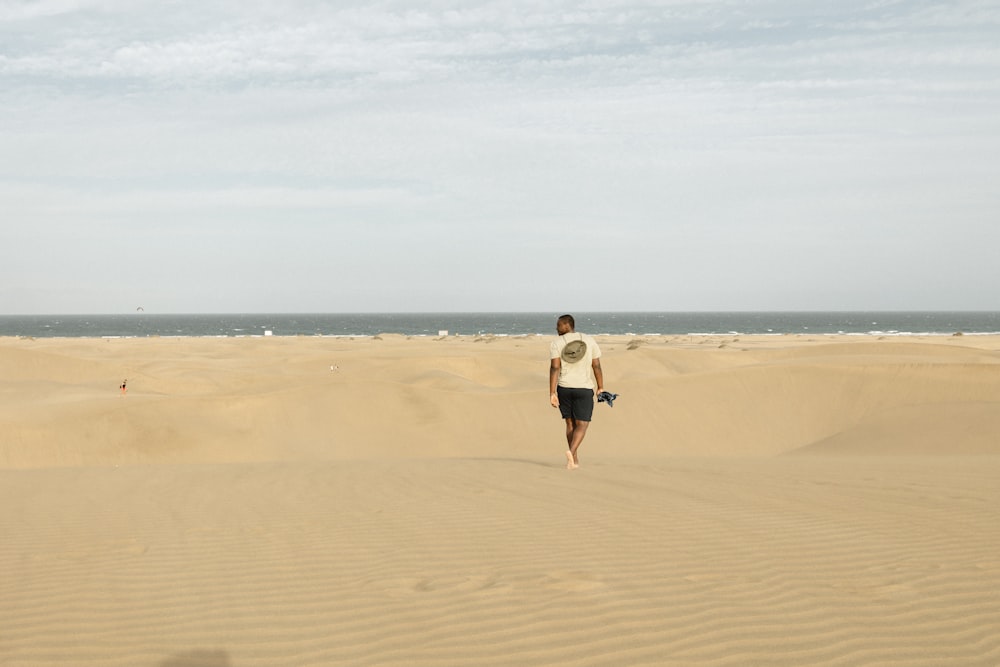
[576, 404]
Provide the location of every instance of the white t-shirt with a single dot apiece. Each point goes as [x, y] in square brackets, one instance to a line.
[577, 374]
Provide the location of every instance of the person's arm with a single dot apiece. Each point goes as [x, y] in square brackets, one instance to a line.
[554, 366]
[598, 374]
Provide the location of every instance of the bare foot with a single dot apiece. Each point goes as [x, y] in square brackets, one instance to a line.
[570, 463]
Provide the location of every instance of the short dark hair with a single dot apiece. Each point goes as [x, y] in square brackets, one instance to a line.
[567, 319]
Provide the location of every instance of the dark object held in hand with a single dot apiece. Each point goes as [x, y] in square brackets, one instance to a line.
[607, 397]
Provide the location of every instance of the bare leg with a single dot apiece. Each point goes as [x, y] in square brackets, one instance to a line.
[575, 431]
[578, 432]
[571, 461]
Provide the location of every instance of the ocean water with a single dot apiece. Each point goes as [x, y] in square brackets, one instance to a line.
[430, 324]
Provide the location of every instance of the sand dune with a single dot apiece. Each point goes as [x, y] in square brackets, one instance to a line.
[219, 400]
[314, 501]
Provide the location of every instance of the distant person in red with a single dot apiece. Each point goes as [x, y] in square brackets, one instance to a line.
[124, 388]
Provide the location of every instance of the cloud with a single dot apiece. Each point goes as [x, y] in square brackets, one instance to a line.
[675, 139]
[389, 45]
[25, 10]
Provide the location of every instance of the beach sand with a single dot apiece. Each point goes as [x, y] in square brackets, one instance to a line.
[779, 500]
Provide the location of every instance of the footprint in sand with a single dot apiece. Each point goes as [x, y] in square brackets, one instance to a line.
[133, 548]
[573, 582]
[408, 586]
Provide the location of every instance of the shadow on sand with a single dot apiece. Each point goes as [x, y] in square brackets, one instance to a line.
[198, 659]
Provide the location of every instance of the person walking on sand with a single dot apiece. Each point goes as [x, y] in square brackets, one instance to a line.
[574, 372]
[124, 387]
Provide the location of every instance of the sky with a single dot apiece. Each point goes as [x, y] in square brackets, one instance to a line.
[194, 156]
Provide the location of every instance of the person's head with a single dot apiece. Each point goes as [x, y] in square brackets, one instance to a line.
[565, 324]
